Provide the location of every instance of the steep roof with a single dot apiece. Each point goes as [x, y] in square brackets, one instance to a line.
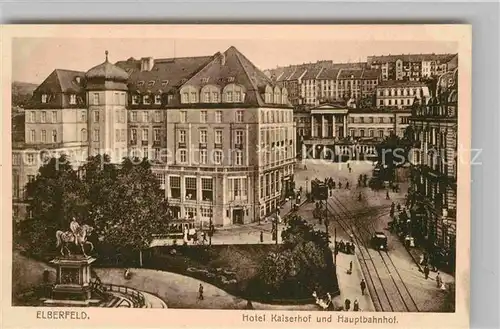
[371, 74]
[64, 81]
[350, 74]
[329, 74]
[233, 67]
[165, 75]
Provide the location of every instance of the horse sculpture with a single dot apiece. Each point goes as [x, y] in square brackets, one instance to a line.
[78, 236]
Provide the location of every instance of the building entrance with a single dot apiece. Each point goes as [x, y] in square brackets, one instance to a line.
[237, 216]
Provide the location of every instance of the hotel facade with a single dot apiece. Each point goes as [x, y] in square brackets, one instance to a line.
[219, 133]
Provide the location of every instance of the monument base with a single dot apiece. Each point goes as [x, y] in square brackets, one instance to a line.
[73, 281]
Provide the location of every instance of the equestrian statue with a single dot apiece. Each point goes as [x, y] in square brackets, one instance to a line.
[77, 235]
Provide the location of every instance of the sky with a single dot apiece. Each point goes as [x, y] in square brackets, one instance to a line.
[35, 58]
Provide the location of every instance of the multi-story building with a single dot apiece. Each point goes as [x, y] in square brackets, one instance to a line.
[339, 130]
[433, 190]
[314, 83]
[413, 67]
[219, 132]
[400, 94]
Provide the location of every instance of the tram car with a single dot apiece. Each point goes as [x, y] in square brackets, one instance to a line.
[319, 190]
[379, 241]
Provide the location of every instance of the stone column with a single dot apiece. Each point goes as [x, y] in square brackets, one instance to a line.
[312, 125]
[323, 126]
[334, 132]
[304, 151]
[345, 125]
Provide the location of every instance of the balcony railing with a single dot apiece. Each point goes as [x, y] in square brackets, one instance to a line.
[156, 143]
[133, 142]
[182, 145]
[144, 143]
[218, 145]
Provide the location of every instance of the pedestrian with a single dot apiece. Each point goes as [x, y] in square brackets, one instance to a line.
[340, 184]
[350, 267]
[261, 236]
[387, 195]
[355, 306]
[200, 292]
[438, 280]
[347, 304]
[426, 271]
[347, 185]
[360, 197]
[398, 207]
[353, 247]
[362, 285]
[350, 170]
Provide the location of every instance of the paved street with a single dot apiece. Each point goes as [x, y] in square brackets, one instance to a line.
[393, 278]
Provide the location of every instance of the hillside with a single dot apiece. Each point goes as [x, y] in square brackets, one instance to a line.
[22, 92]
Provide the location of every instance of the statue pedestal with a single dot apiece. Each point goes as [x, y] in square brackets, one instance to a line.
[72, 282]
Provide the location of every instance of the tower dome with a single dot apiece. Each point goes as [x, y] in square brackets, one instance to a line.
[106, 76]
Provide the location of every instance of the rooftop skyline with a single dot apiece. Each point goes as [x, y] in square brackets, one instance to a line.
[35, 58]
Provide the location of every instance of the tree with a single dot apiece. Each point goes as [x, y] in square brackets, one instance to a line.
[54, 197]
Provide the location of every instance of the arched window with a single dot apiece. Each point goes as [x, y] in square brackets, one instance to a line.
[277, 96]
[210, 94]
[83, 134]
[268, 95]
[234, 93]
[189, 95]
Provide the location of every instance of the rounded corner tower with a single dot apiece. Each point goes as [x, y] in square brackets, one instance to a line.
[107, 103]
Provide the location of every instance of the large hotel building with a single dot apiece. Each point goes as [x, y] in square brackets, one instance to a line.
[219, 132]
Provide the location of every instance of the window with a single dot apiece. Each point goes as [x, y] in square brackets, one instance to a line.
[183, 116]
[43, 117]
[206, 97]
[218, 137]
[191, 189]
[391, 120]
[239, 116]
[170, 98]
[218, 116]
[203, 116]
[381, 134]
[117, 98]
[215, 97]
[157, 116]
[156, 134]
[124, 134]
[371, 133]
[54, 116]
[44, 136]
[185, 98]
[207, 189]
[32, 137]
[238, 188]
[117, 135]
[145, 116]
[96, 116]
[203, 136]
[44, 98]
[229, 96]
[381, 120]
[32, 117]
[362, 133]
[164, 83]
[237, 97]
[146, 99]
[238, 158]
[182, 156]
[145, 152]
[133, 116]
[96, 99]
[182, 136]
[206, 212]
[217, 156]
[133, 134]
[54, 136]
[203, 156]
[175, 187]
[352, 132]
[157, 99]
[145, 134]
[96, 135]
[238, 137]
[370, 120]
[193, 98]
[31, 160]
[135, 99]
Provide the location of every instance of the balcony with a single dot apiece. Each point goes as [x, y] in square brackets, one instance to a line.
[238, 146]
[181, 145]
[218, 145]
[203, 146]
[156, 143]
[144, 143]
[133, 142]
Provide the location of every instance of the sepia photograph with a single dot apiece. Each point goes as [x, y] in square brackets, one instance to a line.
[293, 175]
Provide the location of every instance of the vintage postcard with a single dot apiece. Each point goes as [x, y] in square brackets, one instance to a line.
[278, 176]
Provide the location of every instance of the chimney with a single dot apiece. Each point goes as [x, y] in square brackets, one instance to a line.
[147, 63]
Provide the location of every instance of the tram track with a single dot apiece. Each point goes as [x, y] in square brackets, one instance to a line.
[386, 283]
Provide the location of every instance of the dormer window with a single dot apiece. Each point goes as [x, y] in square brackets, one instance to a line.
[170, 98]
[78, 80]
[205, 80]
[135, 99]
[230, 79]
[185, 98]
[157, 99]
[44, 98]
[229, 97]
[72, 99]
[140, 83]
[237, 97]
[146, 100]
[151, 83]
[164, 83]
